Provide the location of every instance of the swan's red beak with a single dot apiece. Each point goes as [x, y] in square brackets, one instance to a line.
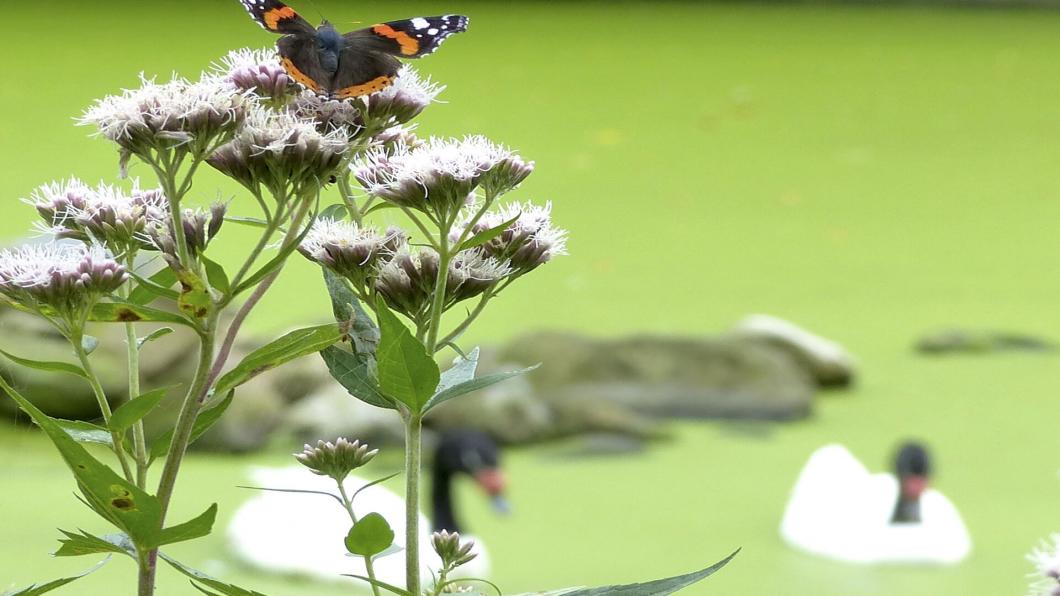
[913, 486]
[491, 480]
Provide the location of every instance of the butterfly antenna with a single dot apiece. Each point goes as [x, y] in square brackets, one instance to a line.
[319, 13]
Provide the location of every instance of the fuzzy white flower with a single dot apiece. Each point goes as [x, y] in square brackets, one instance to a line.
[177, 114]
[348, 249]
[528, 242]
[405, 99]
[68, 278]
[1046, 560]
[57, 201]
[258, 71]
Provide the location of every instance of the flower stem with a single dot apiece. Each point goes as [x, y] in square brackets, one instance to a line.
[132, 350]
[413, 428]
[439, 292]
[101, 399]
[346, 192]
[368, 566]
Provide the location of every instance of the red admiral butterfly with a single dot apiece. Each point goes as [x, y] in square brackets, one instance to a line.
[355, 63]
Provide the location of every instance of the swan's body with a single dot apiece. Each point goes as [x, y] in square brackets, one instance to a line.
[841, 511]
[303, 534]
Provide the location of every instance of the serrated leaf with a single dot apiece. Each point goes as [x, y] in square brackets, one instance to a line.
[64, 367]
[38, 589]
[132, 411]
[474, 385]
[210, 582]
[406, 372]
[486, 235]
[157, 333]
[354, 373]
[159, 285]
[203, 422]
[351, 316]
[191, 529]
[127, 312]
[370, 536]
[216, 275]
[83, 543]
[115, 499]
[89, 343]
[293, 345]
[659, 587]
[194, 300]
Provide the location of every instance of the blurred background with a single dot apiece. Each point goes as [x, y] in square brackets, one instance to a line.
[875, 173]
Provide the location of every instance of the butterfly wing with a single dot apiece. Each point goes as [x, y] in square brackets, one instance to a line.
[299, 57]
[277, 17]
[362, 70]
[411, 38]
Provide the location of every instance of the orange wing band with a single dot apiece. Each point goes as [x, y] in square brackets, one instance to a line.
[409, 45]
[377, 84]
[274, 16]
[300, 77]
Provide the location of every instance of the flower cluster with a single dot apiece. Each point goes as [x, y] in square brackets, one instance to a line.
[285, 153]
[66, 279]
[451, 551]
[182, 115]
[440, 176]
[528, 241]
[352, 251]
[330, 115]
[404, 100]
[1046, 560]
[337, 459]
[105, 214]
[259, 73]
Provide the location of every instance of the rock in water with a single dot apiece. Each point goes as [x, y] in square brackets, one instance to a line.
[827, 361]
[971, 341]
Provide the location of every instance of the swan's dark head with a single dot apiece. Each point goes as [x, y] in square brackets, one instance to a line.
[475, 454]
[912, 466]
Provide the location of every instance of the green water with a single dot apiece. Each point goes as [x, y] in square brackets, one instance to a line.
[871, 173]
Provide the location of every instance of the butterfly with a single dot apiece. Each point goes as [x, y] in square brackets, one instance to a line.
[352, 64]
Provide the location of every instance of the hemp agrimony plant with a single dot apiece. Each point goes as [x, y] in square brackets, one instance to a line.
[144, 256]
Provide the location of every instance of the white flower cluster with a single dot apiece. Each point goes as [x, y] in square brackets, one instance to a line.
[1046, 560]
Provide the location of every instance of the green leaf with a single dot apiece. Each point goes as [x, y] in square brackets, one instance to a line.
[474, 385]
[362, 331]
[462, 371]
[388, 587]
[406, 372]
[659, 587]
[216, 275]
[295, 344]
[191, 529]
[337, 212]
[201, 578]
[194, 299]
[157, 333]
[37, 589]
[486, 235]
[64, 367]
[118, 501]
[127, 312]
[274, 264]
[158, 285]
[75, 545]
[370, 536]
[85, 432]
[203, 422]
[254, 222]
[132, 411]
[354, 372]
[89, 343]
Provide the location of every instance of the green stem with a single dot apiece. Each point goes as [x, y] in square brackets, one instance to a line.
[368, 566]
[255, 253]
[347, 198]
[438, 303]
[101, 399]
[413, 428]
[132, 351]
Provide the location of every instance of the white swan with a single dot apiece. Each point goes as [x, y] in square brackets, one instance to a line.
[841, 511]
[303, 534]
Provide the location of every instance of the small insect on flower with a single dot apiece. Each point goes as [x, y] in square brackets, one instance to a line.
[1046, 560]
[348, 65]
[65, 278]
[337, 459]
[258, 72]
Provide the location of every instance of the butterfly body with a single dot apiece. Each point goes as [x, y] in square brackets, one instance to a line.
[352, 64]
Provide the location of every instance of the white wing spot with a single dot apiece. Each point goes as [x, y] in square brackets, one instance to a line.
[432, 31]
[420, 23]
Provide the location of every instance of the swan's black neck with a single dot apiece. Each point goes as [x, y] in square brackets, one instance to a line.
[906, 511]
[443, 515]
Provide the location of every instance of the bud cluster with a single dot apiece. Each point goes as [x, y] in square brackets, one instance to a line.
[451, 550]
[67, 279]
[259, 73]
[528, 242]
[352, 251]
[335, 460]
[401, 102]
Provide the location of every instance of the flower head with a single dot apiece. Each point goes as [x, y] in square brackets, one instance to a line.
[57, 201]
[329, 114]
[66, 278]
[407, 279]
[280, 150]
[344, 247]
[258, 72]
[450, 550]
[404, 100]
[1046, 560]
[179, 114]
[337, 459]
[527, 242]
[438, 176]
[200, 226]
